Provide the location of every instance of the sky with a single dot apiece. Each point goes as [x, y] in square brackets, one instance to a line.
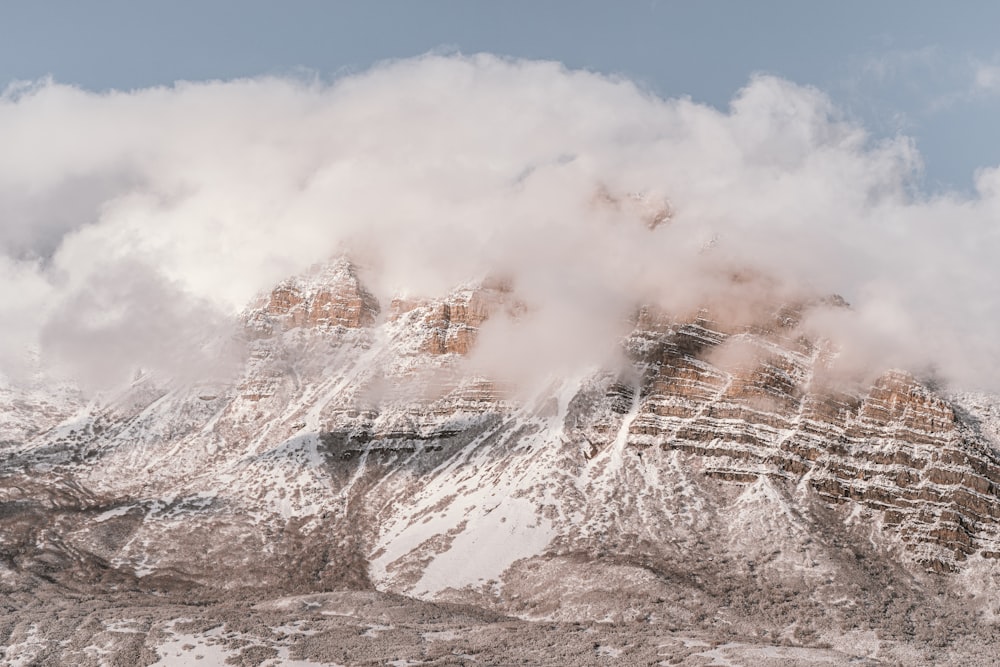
[162, 164]
[928, 69]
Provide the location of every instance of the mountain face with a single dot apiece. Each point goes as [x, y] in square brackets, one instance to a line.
[721, 493]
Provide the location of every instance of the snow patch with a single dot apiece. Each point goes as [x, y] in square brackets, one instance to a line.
[489, 545]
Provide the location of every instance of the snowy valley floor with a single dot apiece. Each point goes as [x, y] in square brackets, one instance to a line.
[368, 628]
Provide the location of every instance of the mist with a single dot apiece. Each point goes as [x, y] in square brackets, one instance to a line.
[135, 225]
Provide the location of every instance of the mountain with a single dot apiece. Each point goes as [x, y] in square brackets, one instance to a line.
[361, 493]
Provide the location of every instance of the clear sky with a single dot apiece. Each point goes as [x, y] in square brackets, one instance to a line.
[930, 70]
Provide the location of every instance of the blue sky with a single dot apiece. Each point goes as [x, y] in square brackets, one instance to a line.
[929, 70]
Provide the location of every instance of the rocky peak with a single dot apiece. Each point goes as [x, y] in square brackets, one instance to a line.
[452, 324]
[652, 210]
[329, 295]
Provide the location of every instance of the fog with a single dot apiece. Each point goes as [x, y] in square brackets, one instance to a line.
[134, 225]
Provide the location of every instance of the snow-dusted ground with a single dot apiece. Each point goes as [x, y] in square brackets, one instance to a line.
[366, 628]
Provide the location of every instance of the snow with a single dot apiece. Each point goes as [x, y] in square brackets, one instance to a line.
[497, 531]
[209, 648]
[111, 513]
[441, 636]
[493, 541]
[735, 654]
[621, 439]
[184, 650]
[23, 653]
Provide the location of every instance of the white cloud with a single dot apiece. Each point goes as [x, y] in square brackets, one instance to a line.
[987, 77]
[168, 208]
[914, 85]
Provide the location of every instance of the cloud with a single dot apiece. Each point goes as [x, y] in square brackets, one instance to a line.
[125, 316]
[987, 77]
[136, 223]
[900, 90]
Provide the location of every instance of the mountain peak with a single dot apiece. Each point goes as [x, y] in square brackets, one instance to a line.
[328, 295]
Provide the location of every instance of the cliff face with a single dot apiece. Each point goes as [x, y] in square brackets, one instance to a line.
[328, 296]
[357, 450]
[895, 447]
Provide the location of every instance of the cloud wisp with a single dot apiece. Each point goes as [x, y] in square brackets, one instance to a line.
[135, 223]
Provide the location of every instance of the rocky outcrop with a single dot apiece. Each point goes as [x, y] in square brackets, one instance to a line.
[329, 296]
[653, 211]
[452, 324]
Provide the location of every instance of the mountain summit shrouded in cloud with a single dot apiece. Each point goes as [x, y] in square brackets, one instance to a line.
[135, 224]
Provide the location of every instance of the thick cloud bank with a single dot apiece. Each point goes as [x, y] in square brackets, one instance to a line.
[133, 223]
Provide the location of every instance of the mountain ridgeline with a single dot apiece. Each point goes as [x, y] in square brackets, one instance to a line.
[722, 480]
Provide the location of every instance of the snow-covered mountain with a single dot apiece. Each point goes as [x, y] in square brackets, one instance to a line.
[721, 481]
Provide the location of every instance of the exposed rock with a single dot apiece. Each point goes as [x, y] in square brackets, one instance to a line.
[329, 296]
[452, 324]
[896, 448]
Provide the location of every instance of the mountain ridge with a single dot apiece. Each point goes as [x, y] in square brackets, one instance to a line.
[355, 451]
